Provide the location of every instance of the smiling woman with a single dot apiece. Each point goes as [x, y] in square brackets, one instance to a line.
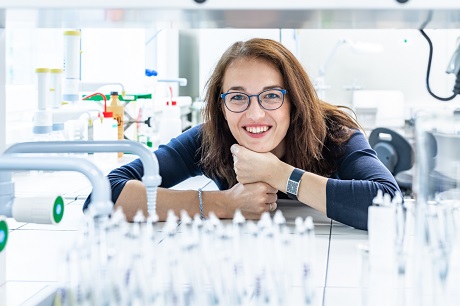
[261, 126]
[266, 136]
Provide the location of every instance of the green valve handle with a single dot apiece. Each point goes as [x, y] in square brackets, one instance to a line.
[3, 234]
[58, 209]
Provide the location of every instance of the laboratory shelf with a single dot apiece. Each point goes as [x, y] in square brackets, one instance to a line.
[288, 14]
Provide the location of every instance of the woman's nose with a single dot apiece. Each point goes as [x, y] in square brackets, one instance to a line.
[255, 110]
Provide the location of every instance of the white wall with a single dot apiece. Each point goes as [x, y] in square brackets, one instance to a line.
[113, 55]
[402, 66]
[214, 42]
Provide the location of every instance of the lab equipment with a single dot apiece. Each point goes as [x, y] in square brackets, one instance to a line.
[3, 242]
[453, 66]
[151, 178]
[116, 107]
[3, 235]
[101, 200]
[105, 128]
[437, 194]
[383, 262]
[38, 209]
[72, 59]
[382, 229]
[454, 63]
[98, 86]
[170, 124]
[42, 117]
[205, 262]
[31, 211]
[197, 112]
[55, 87]
[55, 102]
[362, 47]
[396, 153]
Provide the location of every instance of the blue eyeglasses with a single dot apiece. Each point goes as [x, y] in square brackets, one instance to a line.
[269, 99]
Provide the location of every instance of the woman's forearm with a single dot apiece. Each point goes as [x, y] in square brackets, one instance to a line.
[133, 198]
[312, 188]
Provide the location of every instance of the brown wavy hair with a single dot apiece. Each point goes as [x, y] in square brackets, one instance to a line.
[315, 127]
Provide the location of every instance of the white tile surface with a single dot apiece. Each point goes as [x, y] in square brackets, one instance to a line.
[342, 229]
[17, 293]
[344, 297]
[344, 265]
[13, 224]
[37, 255]
[194, 183]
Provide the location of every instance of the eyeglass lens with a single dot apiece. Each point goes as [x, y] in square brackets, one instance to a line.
[270, 99]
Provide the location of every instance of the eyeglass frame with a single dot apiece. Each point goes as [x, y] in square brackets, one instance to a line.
[283, 91]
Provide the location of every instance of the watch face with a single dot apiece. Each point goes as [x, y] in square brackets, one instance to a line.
[292, 187]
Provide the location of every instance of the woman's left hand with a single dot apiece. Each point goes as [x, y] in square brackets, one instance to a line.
[251, 167]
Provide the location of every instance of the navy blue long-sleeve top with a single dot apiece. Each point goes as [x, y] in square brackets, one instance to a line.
[349, 191]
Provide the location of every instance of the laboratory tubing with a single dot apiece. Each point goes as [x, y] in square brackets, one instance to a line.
[72, 61]
[117, 109]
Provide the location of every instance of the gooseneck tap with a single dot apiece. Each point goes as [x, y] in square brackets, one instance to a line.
[151, 178]
[101, 198]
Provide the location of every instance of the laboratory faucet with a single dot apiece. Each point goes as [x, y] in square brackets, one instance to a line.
[101, 198]
[151, 178]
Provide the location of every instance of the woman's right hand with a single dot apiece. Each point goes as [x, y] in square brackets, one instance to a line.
[252, 199]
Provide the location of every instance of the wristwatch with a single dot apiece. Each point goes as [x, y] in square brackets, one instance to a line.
[292, 187]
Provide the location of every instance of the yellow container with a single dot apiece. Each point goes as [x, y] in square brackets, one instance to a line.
[117, 109]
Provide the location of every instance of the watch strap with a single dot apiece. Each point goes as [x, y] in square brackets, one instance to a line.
[292, 186]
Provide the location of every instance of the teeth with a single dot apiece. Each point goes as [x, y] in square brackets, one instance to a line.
[256, 130]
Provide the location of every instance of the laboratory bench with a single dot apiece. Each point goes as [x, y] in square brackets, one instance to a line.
[35, 252]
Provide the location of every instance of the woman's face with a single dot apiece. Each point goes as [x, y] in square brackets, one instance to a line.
[257, 129]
